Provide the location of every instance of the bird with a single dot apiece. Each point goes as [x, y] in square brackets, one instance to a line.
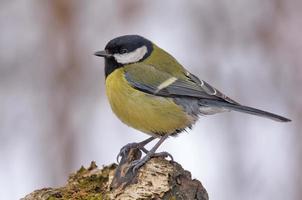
[149, 90]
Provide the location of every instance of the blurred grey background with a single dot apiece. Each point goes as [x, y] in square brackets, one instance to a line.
[54, 115]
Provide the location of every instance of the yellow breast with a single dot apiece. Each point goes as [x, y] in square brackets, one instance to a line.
[148, 113]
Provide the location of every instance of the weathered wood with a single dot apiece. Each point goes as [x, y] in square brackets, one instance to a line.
[157, 179]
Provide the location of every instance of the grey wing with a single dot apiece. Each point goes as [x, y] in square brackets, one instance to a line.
[150, 80]
[210, 89]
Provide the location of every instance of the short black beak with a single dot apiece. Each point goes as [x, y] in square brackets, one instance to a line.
[102, 54]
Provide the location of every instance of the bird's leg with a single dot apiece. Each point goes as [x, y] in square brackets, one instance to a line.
[137, 145]
[138, 163]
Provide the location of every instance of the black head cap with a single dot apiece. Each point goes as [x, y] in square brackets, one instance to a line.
[127, 43]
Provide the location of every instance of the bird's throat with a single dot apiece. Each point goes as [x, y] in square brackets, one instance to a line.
[110, 66]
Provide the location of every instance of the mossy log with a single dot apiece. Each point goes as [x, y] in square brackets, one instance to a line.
[157, 179]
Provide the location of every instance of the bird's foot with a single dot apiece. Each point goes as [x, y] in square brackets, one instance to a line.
[131, 162]
[125, 149]
[136, 164]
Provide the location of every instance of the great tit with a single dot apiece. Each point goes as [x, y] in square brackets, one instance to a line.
[150, 91]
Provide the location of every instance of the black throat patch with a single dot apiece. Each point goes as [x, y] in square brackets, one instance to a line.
[111, 65]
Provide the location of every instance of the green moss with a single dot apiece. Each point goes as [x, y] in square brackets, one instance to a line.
[85, 184]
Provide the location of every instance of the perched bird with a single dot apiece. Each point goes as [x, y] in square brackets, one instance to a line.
[150, 91]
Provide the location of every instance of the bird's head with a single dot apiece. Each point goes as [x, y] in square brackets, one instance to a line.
[125, 50]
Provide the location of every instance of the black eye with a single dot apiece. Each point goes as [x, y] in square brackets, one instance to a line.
[122, 51]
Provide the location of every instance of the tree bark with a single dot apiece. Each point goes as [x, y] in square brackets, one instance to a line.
[157, 179]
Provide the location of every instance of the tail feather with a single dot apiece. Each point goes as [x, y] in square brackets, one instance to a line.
[244, 109]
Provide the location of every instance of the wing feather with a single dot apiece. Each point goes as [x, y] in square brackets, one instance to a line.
[153, 81]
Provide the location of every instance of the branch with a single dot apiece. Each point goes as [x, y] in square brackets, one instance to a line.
[157, 179]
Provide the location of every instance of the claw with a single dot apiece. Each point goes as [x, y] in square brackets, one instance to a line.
[163, 154]
[136, 164]
[140, 145]
[125, 149]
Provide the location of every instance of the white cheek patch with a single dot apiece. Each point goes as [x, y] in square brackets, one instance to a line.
[131, 57]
